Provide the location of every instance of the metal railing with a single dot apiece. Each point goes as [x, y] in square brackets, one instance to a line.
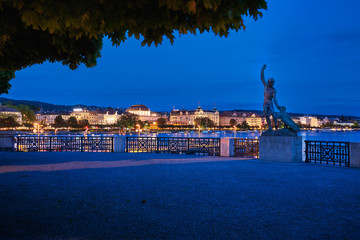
[337, 153]
[246, 147]
[178, 145]
[64, 144]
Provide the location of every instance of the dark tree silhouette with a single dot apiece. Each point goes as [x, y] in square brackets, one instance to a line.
[59, 122]
[72, 122]
[71, 32]
[232, 122]
[161, 122]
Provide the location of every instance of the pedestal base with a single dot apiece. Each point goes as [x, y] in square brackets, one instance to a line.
[280, 148]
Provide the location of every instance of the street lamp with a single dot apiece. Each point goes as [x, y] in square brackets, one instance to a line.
[86, 130]
[37, 128]
[138, 128]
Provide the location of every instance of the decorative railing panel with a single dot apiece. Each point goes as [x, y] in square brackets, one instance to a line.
[337, 153]
[199, 146]
[246, 147]
[64, 144]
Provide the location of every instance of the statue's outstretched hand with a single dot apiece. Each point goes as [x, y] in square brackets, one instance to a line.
[264, 67]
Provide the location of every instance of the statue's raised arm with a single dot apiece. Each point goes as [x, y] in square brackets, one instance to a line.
[262, 75]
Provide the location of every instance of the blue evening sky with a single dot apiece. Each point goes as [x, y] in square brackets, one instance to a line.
[311, 48]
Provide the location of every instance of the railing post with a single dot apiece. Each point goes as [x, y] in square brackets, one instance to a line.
[157, 144]
[50, 138]
[188, 144]
[120, 144]
[227, 147]
[112, 144]
[81, 144]
[306, 152]
[7, 141]
[354, 154]
[349, 155]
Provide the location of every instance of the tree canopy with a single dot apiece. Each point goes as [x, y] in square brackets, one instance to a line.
[72, 122]
[84, 123]
[8, 122]
[161, 122]
[59, 122]
[5, 77]
[243, 126]
[28, 115]
[204, 122]
[127, 121]
[232, 122]
[71, 32]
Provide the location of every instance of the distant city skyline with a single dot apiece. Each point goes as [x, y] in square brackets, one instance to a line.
[76, 107]
[311, 48]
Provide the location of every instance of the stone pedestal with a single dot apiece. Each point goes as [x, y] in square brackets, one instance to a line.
[227, 147]
[280, 148]
[119, 144]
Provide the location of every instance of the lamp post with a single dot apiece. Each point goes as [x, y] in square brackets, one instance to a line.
[86, 130]
[138, 128]
[37, 128]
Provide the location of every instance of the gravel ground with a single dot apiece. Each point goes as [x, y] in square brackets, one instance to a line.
[159, 196]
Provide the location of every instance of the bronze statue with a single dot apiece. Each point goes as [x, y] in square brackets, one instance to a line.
[270, 100]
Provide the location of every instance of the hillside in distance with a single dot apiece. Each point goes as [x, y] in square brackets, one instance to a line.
[49, 107]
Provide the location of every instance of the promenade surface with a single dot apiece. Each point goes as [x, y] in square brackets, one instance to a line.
[160, 196]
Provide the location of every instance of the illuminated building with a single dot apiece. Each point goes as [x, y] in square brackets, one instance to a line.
[107, 117]
[139, 110]
[187, 117]
[111, 118]
[49, 118]
[92, 116]
[10, 112]
[310, 121]
[144, 114]
[252, 119]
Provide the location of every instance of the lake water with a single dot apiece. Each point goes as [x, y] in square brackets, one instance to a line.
[323, 135]
[345, 136]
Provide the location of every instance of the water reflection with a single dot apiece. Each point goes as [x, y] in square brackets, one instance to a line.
[346, 136]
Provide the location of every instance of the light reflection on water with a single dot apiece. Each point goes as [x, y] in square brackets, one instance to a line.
[346, 136]
[343, 136]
